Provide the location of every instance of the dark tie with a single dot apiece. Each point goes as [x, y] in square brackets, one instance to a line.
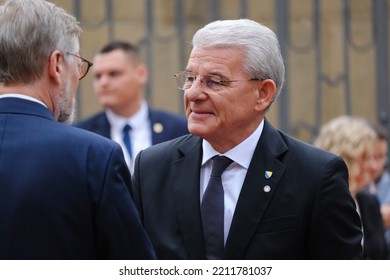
[126, 139]
[212, 210]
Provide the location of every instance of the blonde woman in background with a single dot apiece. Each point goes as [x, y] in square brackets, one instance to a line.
[380, 185]
[354, 140]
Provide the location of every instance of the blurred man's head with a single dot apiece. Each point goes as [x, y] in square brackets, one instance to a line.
[119, 78]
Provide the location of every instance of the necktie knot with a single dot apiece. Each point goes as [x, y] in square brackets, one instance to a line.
[126, 128]
[220, 163]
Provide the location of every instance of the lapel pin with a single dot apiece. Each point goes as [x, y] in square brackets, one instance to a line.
[268, 174]
[158, 128]
[267, 189]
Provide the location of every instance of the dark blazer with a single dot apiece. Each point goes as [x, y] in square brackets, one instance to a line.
[374, 246]
[64, 192]
[172, 125]
[307, 214]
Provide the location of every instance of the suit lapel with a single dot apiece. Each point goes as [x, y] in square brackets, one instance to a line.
[102, 126]
[186, 196]
[256, 192]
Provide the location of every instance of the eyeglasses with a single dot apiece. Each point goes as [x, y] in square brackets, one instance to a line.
[84, 65]
[209, 83]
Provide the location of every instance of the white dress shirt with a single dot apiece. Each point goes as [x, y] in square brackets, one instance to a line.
[140, 134]
[233, 176]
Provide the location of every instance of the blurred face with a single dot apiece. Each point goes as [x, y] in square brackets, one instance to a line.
[366, 165]
[226, 117]
[119, 82]
[380, 158]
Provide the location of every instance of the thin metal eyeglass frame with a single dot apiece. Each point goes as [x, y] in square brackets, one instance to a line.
[178, 74]
[83, 60]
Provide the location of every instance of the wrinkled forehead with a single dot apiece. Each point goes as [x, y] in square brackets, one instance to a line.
[216, 60]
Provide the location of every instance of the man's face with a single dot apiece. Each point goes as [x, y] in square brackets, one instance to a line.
[228, 116]
[118, 81]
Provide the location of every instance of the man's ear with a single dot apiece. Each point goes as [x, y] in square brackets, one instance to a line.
[267, 91]
[142, 73]
[56, 65]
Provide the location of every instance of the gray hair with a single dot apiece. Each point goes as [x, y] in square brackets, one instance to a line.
[30, 31]
[259, 44]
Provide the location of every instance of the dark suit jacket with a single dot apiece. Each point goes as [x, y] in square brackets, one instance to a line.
[173, 125]
[63, 191]
[308, 214]
[374, 247]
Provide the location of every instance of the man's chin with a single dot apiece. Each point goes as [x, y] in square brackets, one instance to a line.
[197, 129]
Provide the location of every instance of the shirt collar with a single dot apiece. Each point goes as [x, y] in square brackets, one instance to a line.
[241, 154]
[138, 119]
[22, 96]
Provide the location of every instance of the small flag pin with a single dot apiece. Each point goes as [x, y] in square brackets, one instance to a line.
[268, 174]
